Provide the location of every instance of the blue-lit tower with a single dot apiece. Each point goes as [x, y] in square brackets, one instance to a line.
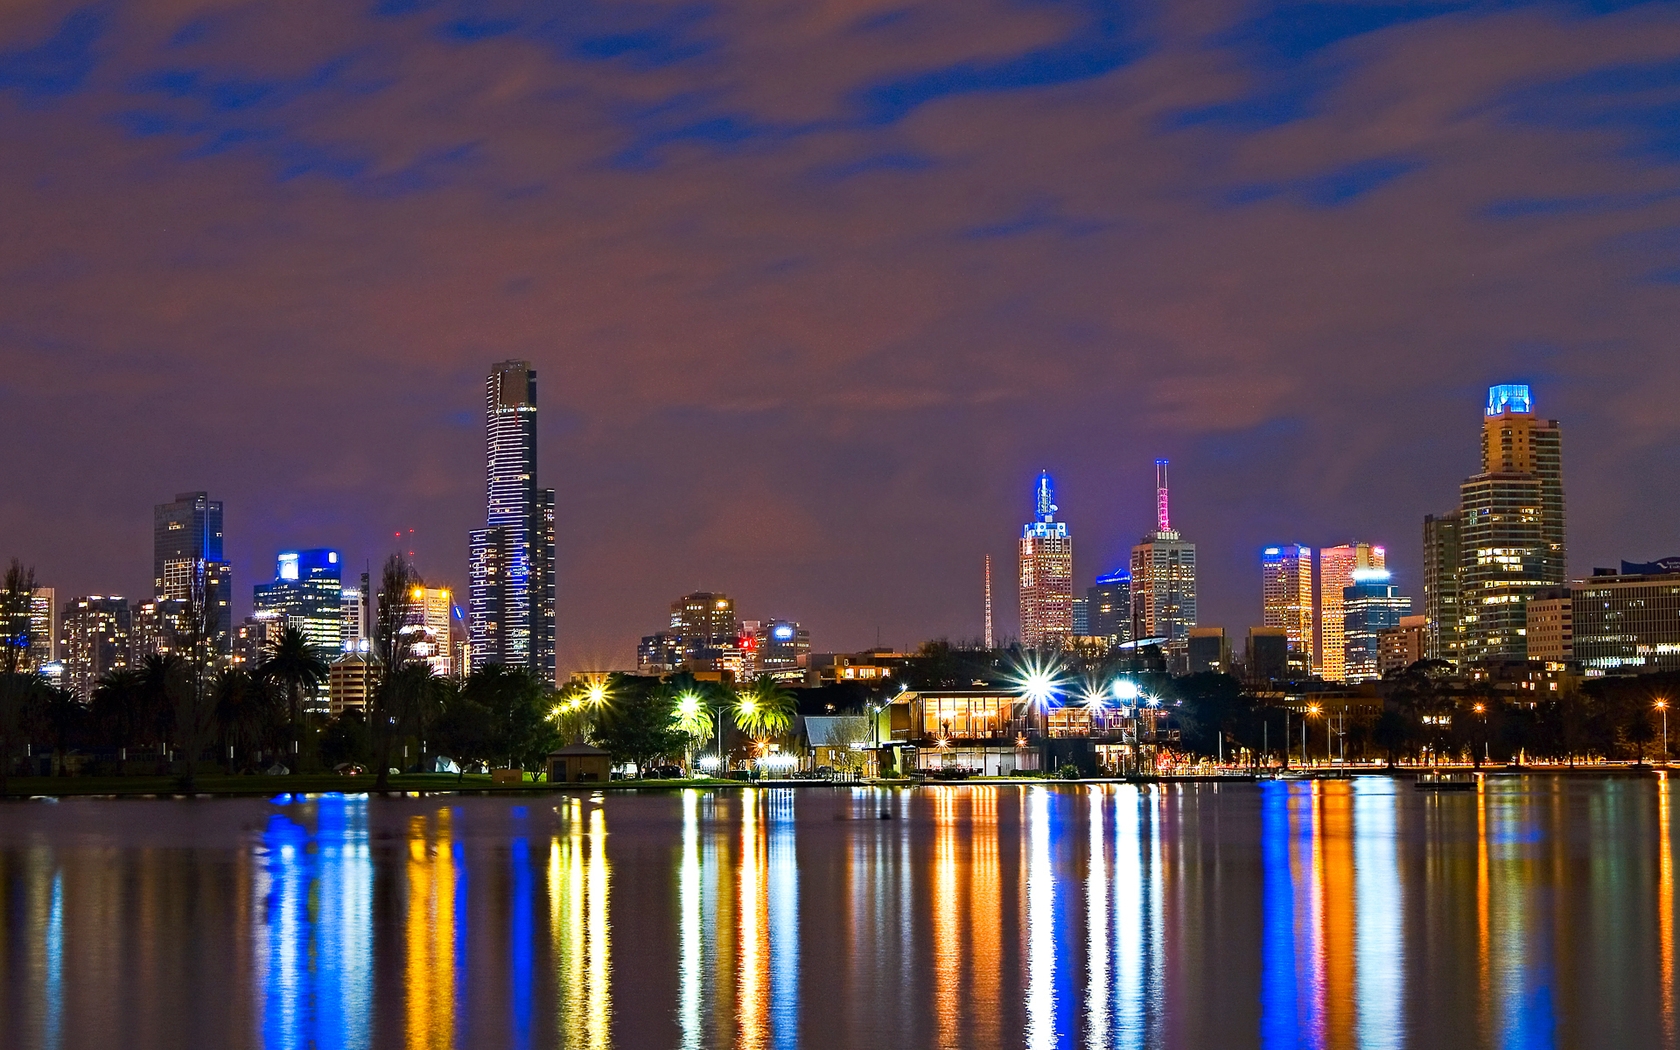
[511, 577]
[1046, 573]
[308, 592]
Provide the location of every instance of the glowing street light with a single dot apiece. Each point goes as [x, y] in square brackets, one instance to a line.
[1662, 705]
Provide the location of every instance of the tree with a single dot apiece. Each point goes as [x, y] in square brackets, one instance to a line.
[62, 717]
[520, 729]
[244, 710]
[345, 739]
[296, 668]
[118, 711]
[1391, 733]
[462, 729]
[396, 581]
[764, 709]
[160, 675]
[639, 727]
[17, 686]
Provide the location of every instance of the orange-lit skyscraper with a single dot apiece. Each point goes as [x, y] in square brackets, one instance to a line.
[1336, 566]
[1046, 573]
[1286, 581]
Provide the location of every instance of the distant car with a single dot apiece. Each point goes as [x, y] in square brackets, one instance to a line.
[665, 772]
[349, 769]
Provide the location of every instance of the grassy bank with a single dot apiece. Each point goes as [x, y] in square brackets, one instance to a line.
[222, 785]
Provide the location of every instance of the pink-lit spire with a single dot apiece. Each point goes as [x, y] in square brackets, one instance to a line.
[1163, 521]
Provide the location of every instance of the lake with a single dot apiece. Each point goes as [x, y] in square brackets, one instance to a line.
[1536, 911]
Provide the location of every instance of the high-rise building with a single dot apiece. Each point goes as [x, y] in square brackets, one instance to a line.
[1046, 573]
[1287, 596]
[702, 629]
[1511, 526]
[1402, 646]
[511, 585]
[1338, 569]
[1164, 580]
[1443, 633]
[255, 637]
[1207, 649]
[96, 640]
[784, 650]
[1625, 623]
[1371, 604]
[1108, 604]
[308, 591]
[1550, 623]
[188, 568]
[351, 680]
[43, 627]
[1267, 654]
[425, 629]
[352, 606]
[1082, 616]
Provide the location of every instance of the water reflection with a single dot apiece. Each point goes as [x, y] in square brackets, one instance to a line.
[1533, 912]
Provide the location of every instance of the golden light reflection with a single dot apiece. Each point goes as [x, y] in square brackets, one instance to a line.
[578, 881]
[753, 938]
[429, 974]
[946, 944]
[985, 932]
[1665, 907]
[1336, 918]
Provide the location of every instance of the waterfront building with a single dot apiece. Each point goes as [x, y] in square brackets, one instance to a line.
[1511, 526]
[1401, 646]
[1549, 621]
[96, 641]
[188, 568]
[1626, 623]
[308, 593]
[1108, 605]
[1046, 551]
[1444, 633]
[1286, 578]
[1207, 649]
[511, 560]
[1163, 585]
[1370, 605]
[1337, 571]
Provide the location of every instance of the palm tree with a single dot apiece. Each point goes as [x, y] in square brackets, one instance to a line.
[243, 710]
[159, 683]
[62, 716]
[296, 667]
[118, 706]
[764, 708]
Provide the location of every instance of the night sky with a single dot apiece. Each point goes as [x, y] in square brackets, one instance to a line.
[815, 288]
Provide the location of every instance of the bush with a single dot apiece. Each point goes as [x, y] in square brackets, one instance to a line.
[1068, 772]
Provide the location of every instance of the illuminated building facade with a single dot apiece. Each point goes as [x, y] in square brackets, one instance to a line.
[511, 560]
[1627, 623]
[43, 627]
[1287, 596]
[425, 629]
[1339, 569]
[1371, 604]
[702, 634]
[350, 681]
[1550, 621]
[1444, 633]
[96, 641]
[1046, 573]
[1164, 579]
[1511, 542]
[308, 593]
[352, 604]
[188, 567]
[784, 650]
[1108, 604]
[254, 638]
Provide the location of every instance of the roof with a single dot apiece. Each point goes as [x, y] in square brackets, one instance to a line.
[579, 749]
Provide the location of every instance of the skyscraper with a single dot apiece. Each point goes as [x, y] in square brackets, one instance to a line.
[1443, 633]
[1370, 605]
[96, 641]
[1109, 606]
[425, 630]
[1287, 596]
[43, 627]
[1511, 533]
[511, 575]
[188, 568]
[1164, 579]
[1336, 573]
[1046, 573]
[308, 591]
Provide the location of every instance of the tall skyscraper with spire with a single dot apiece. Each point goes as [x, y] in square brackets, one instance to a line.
[511, 574]
[1511, 528]
[1164, 580]
[190, 573]
[1046, 573]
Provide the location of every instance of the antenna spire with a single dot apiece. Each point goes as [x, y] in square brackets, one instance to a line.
[1163, 521]
[1046, 497]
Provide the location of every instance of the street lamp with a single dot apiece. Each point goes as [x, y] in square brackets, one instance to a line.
[1312, 711]
[1662, 705]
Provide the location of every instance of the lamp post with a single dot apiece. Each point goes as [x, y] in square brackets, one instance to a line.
[1662, 705]
[1312, 711]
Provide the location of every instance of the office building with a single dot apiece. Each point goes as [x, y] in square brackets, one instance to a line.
[1207, 649]
[1626, 624]
[784, 650]
[1338, 568]
[43, 627]
[1511, 526]
[1163, 585]
[1444, 633]
[702, 634]
[1550, 621]
[1370, 605]
[255, 637]
[1286, 578]
[96, 641]
[510, 600]
[1046, 551]
[1267, 655]
[1108, 605]
[351, 680]
[189, 571]
[1404, 645]
[425, 629]
[352, 607]
[1082, 617]
[308, 593]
